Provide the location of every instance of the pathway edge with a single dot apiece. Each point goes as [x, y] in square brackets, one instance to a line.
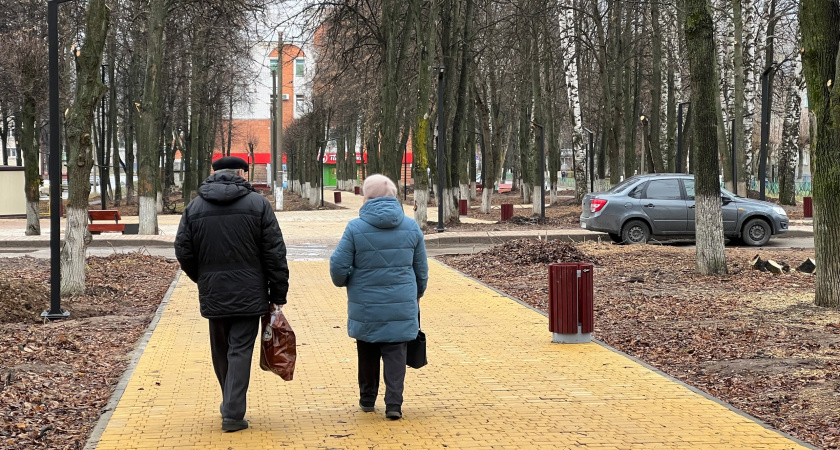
[139, 347]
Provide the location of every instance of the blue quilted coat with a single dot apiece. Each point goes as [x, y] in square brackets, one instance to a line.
[382, 260]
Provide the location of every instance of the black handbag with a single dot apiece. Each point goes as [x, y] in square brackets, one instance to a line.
[416, 355]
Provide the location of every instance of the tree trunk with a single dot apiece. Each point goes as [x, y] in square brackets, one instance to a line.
[149, 133]
[4, 132]
[790, 140]
[655, 113]
[567, 19]
[700, 46]
[29, 151]
[112, 127]
[352, 138]
[78, 126]
[820, 25]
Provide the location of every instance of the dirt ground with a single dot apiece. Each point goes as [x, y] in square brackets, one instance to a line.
[56, 378]
[750, 338]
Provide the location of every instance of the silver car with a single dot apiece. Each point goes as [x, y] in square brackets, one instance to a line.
[662, 205]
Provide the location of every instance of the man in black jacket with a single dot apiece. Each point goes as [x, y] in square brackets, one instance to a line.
[230, 244]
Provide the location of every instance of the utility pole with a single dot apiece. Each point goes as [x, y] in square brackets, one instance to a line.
[273, 122]
[278, 130]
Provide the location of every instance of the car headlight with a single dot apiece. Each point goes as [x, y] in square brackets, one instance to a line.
[779, 210]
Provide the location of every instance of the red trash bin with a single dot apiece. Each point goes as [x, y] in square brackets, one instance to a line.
[357, 190]
[337, 197]
[570, 310]
[507, 211]
[462, 208]
[807, 207]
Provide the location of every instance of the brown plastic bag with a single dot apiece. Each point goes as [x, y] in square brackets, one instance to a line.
[277, 345]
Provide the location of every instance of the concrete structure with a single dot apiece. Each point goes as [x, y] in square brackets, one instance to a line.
[12, 196]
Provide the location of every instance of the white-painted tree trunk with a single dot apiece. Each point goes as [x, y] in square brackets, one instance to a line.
[709, 239]
[421, 200]
[465, 195]
[33, 220]
[314, 195]
[450, 210]
[159, 203]
[537, 204]
[552, 194]
[278, 197]
[526, 192]
[486, 199]
[350, 184]
[148, 216]
[73, 253]
[567, 46]
[304, 190]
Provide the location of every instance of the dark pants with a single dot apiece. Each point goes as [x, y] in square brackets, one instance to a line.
[393, 357]
[232, 344]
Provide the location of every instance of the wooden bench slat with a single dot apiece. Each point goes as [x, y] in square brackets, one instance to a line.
[104, 214]
[100, 227]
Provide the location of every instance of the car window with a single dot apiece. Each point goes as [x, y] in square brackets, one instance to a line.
[663, 190]
[689, 189]
[637, 191]
[623, 185]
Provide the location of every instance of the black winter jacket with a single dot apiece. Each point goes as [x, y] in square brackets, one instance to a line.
[230, 244]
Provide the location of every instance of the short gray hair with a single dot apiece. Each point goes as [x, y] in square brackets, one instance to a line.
[228, 171]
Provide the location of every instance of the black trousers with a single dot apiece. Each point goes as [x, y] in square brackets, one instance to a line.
[232, 345]
[393, 356]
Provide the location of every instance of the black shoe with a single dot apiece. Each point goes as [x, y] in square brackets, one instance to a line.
[220, 408]
[393, 412]
[366, 406]
[234, 424]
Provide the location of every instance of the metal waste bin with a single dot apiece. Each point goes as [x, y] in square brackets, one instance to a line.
[570, 311]
[507, 211]
[462, 208]
[337, 197]
[807, 207]
[357, 190]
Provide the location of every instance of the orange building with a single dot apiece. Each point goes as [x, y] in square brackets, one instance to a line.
[251, 136]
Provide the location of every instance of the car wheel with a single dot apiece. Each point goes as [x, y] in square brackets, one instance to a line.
[616, 238]
[756, 232]
[635, 232]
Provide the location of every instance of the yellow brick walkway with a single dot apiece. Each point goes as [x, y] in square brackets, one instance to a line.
[494, 381]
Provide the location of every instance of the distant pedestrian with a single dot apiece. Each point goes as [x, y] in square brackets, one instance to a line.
[229, 243]
[381, 259]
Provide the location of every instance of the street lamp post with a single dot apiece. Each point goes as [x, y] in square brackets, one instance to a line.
[542, 168]
[591, 159]
[55, 311]
[440, 143]
[680, 135]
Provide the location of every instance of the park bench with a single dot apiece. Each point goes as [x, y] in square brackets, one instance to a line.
[104, 214]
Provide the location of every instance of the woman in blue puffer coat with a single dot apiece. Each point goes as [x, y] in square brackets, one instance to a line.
[381, 259]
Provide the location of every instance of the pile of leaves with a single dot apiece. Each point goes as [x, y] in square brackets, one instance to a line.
[753, 339]
[56, 378]
[531, 251]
